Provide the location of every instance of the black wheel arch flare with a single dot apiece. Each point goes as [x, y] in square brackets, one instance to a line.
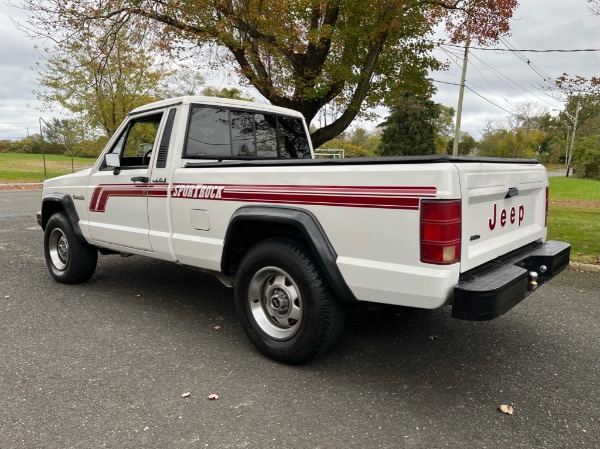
[303, 222]
[60, 202]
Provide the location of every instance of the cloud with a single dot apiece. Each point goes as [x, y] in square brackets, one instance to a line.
[511, 79]
[503, 78]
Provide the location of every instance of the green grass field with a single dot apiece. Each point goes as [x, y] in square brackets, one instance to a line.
[574, 216]
[16, 167]
[562, 188]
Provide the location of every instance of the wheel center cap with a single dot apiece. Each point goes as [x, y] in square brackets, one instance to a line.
[280, 302]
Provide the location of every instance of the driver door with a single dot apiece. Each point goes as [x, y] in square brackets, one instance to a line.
[118, 208]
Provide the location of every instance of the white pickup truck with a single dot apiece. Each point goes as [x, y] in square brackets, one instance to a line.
[232, 188]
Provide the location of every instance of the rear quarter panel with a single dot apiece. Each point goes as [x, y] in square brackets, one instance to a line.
[370, 214]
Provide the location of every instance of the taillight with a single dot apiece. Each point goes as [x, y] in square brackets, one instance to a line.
[440, 231]
[547, 203]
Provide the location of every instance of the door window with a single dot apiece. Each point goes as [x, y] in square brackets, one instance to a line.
[135, 145]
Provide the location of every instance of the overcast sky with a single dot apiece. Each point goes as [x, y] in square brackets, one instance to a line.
[503, 78]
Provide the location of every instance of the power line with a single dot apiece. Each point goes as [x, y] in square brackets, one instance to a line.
[538, 70]
[490, 83]
[444, 82]
[498, 74]
[532, 66]
[476, 93]
[529, 50]
[491, 102]
[455, 61]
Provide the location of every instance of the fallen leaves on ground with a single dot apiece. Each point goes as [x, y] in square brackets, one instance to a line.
[507, 409]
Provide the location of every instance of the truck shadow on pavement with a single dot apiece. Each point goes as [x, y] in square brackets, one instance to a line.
[396, 346]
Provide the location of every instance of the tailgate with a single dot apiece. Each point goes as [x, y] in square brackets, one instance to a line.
[503, 209]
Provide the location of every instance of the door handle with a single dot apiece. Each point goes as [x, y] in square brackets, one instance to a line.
[140, 179]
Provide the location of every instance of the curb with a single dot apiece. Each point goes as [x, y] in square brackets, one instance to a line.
[585, 267]
[21, 186]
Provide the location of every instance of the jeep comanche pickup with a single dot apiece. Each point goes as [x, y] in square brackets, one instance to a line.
[231, 187]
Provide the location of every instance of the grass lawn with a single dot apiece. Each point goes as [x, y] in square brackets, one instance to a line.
[562, 188]
[16, 167]
[574, 216]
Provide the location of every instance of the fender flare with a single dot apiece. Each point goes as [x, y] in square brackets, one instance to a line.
[66, 204]
[312, 231]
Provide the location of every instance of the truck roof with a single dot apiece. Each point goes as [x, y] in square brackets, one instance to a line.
[216, 101]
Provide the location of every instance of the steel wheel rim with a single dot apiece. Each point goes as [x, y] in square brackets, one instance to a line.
[58, 247]
[275, 303]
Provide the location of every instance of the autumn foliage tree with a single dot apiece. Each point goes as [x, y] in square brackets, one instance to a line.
[100, 78]
[300, 54]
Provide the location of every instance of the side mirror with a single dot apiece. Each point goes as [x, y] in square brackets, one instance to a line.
[112, 160]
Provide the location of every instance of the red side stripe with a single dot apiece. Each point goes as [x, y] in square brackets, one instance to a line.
[385, 197]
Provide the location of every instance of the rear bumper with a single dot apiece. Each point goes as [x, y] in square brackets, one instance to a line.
[489, 291]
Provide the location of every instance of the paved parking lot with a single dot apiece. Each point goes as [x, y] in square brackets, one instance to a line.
[104, 364]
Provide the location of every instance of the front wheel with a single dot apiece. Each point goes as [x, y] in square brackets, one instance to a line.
[69, 259]
[285, 305]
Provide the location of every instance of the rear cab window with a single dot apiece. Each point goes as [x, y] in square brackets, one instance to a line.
[216, 132]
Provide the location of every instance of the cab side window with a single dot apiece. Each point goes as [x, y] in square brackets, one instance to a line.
[135, 144]
[220, 133]
[266, 135]
[208, 133]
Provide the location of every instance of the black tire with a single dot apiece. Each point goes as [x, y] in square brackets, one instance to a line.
[285, 305]
[70, 260]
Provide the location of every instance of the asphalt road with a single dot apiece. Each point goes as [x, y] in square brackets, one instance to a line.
[104, 364]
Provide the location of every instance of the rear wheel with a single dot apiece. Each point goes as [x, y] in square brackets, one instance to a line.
[69, 259]
[284, 303]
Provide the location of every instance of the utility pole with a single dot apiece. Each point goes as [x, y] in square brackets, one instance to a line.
[461, 93]
[570, 155]
[42, 142]
[567, 146]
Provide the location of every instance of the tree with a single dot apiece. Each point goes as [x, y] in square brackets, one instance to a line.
[513, 144]
[467, 145]
[187, 81]
[233, 93]
[350, 150]
[101, 78]
[183, 81]
[368, 140]
[67, 133]
[444, 122]
[588, 154]
[300, 54]
[444, 129]
[410, 129]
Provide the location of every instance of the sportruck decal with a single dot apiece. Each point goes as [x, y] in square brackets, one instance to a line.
[342, 196]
